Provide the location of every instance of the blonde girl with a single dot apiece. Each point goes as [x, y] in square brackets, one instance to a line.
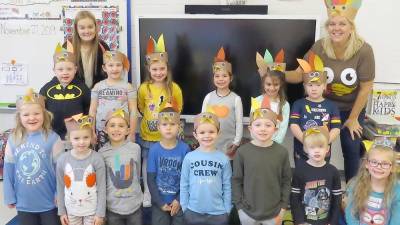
[88, 48]
[273, 91]
[29, 163]
[373, 196]
[154, 94]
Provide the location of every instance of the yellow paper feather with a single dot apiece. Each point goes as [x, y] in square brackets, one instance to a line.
[318, 64]
[160, 44]
[58, 48]
[255, 104]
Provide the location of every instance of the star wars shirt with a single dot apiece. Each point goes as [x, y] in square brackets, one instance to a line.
[316, 194]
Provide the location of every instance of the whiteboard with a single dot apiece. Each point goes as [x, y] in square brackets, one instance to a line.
[29, 32]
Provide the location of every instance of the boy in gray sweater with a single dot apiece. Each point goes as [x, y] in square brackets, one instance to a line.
[261, 196]
[122, 159]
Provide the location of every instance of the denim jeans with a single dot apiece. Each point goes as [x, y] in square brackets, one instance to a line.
[351, 149]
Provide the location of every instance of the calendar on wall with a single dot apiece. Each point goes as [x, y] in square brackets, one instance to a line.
[107, 20]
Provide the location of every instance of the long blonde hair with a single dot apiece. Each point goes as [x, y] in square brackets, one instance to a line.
[362, 182]
[167, 84]
[354, 43]
[19, 133]
[76, 40]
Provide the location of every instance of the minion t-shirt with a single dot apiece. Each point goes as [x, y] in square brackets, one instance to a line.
[344, 77]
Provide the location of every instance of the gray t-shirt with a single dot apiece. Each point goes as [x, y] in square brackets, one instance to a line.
[229, 110]
[124, 195]
[110, 97]
[81, 185]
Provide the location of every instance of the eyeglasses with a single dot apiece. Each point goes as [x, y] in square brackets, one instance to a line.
[382, 164]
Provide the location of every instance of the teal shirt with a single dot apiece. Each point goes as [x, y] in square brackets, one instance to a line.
[375, 212]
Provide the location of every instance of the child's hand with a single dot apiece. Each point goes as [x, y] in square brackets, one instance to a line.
[11, 206]
[166, 208]
[64, 219]
[231, 151]
[98, 220]
[175, 206]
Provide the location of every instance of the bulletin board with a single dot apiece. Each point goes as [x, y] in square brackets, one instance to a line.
[31, 29]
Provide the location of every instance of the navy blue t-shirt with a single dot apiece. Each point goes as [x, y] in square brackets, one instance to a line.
[167, 164]
[306, 114]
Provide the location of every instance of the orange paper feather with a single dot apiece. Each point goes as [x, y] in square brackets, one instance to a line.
[280, 56]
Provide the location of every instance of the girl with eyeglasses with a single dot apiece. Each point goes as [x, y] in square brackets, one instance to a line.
[374, 194]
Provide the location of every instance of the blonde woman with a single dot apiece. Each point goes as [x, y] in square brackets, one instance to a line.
[88, 49]
[350, 67]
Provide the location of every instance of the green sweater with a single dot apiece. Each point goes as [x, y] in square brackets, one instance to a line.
[261, 180]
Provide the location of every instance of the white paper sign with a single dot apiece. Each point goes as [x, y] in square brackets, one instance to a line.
[14, 74]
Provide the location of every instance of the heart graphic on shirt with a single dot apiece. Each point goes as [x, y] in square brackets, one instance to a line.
[221, 111]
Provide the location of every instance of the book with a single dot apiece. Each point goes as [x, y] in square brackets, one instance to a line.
[385, 102]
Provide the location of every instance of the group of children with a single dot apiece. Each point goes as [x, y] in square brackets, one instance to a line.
[183, 186]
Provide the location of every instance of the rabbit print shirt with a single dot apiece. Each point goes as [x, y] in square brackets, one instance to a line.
[124, 195]
[81, 185]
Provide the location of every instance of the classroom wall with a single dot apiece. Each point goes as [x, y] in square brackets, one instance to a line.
[275, 7]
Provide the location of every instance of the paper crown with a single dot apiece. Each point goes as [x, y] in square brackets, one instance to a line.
[383, 142]
[116, 56]
[220, 62]
[206, 117]
[266, 62]
[64, 55]
[313, 69]
[316, 130]
[168, 114]
[263, 113]
[119, 112]
[346, 8]
[156, 50]
[78, 122]
[30, 97]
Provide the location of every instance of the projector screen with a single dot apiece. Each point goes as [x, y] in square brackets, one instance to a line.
[193, 41]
